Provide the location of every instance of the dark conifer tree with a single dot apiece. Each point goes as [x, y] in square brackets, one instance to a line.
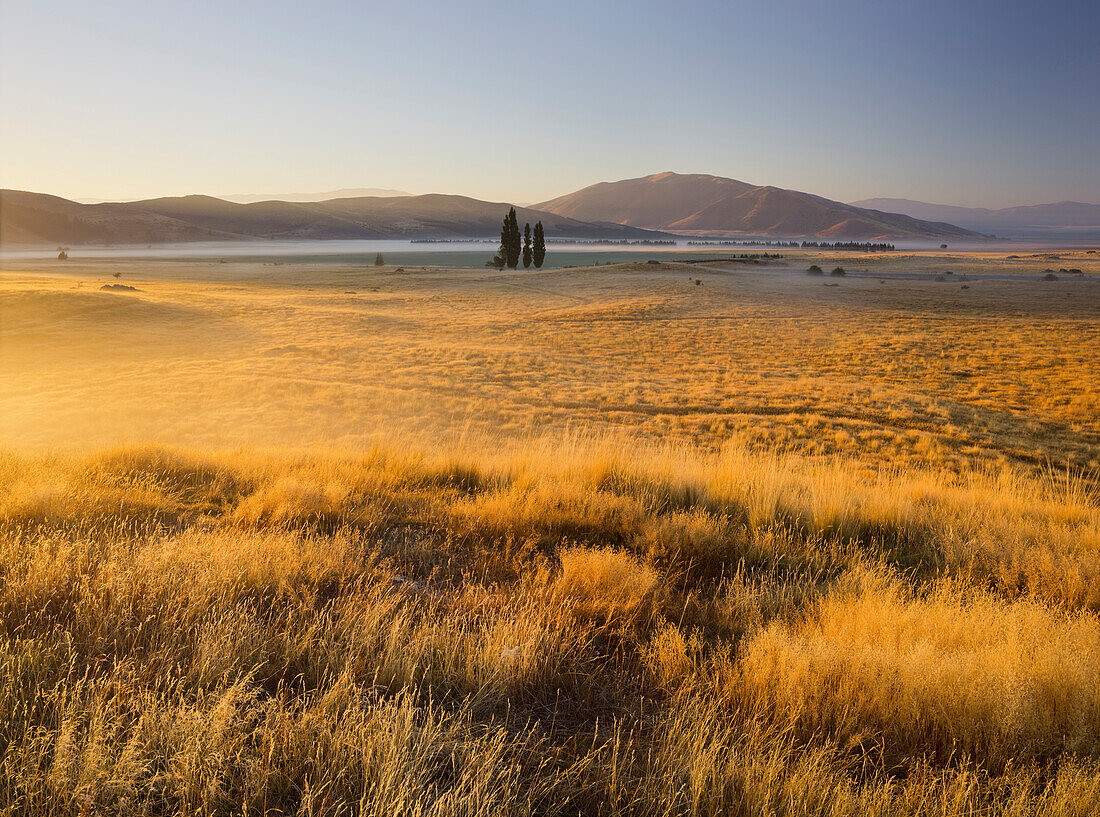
[526, 245]
[511, 242]
[502, 253]
[514, 242]
[538, 250]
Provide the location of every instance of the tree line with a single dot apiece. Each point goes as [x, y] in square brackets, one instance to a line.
[750, 243]
[531, 246]
[848, 245]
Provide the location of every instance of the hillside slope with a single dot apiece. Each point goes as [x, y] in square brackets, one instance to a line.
[719, 206]
[342, 193]
[1060, 214]
[39, 219]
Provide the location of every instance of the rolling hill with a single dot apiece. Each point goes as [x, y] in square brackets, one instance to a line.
[343, 193]
[39, 219]
[1060, 215]
[712, 205]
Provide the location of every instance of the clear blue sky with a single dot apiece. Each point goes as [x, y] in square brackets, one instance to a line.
[970, 102]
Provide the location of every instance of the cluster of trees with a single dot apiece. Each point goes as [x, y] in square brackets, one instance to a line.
[531, 247]
[819, 245]
[848, 245]
[644, 242]
[751, 243]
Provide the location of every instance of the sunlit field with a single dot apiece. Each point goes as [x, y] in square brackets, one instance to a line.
[647, 539]
[891, 366]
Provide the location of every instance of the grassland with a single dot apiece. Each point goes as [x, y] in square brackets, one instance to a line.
[599, 541]
[912, 370]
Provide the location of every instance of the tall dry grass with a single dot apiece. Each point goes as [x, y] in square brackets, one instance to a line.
[578, 627]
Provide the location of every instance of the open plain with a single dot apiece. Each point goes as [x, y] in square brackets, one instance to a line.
[653, 538]
[886, 363]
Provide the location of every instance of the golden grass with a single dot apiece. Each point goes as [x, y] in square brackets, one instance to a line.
[566, 543]
[606, 585]
[943, 674]
[907, 372]
[579, 627]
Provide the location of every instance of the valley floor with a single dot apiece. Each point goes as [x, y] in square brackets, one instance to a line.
[887, 363]
[599, 541]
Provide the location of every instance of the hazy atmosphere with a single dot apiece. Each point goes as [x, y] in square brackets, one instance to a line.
[562, 410]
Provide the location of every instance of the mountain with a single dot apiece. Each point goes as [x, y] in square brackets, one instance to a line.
[36, 218]
[713, 205]
[1063, 214]
[343, 193]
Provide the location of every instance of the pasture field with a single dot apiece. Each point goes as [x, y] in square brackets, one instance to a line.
[647, 539]
[896, 367]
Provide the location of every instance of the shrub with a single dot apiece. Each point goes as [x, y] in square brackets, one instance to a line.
[941, 674]
[606, 585]
[814, 270]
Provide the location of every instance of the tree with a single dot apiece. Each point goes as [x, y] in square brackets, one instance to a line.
[514, 241]
[538, 250]
[379, 261]
[526, 245]
[501, 258]
[510, 241]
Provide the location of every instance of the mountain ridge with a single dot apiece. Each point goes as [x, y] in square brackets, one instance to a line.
[302, 198]
[28, 218]
[1054, 215]
[696, 203]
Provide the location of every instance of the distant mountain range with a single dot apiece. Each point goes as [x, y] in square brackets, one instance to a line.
[342, 193]
[40, 219]
[698, 204]
[648, 207]
[1007, 220]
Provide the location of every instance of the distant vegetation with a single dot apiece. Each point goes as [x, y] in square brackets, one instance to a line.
[815, 270]
[621, 242]
[451, 241]
[750, 243]
[847, 245]
[818, 245]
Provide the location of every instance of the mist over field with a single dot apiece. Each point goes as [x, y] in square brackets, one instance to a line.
[623, 410]
[690, 536]
[211, 353]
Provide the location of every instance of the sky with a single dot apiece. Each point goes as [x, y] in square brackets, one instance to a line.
[962, 102]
